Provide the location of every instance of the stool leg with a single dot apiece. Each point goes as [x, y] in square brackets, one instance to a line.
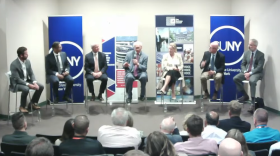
[8, 109]
[106, 94]
[201, 101]
[16, 103]
[145, 100]
[182, 93]
[72, 100]
[31, 107]
[53, 110]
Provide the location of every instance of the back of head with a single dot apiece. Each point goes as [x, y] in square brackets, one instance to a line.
[194, 125]
[230, 147]
[167, 125]
[119, 117]
[135, 153]
[39, 147]
[159, 145]
[235, 108]
[261, 116]
[68, 130]
[81, 124]
[238, 136]
[212, 118]
[18, 121]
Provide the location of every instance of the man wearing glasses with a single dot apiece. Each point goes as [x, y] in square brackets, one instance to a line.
[213, 65]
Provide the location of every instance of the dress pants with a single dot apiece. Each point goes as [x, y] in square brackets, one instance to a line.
[103, 78]
[25, 91]
[217, 78]
[54, 80]
[252, 81]
[129, 78]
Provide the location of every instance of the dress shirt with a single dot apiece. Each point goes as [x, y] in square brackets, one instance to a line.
[57, 142]
[213, 55]
[197, 146]
[119, 136]
[273, 147]
[96, 57]
[60, 62]
[252, 62]
[259, 135]
[23, 67]
[214, 133]
[157, 38]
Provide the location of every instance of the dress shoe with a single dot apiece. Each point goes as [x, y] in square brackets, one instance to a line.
[250, 111]
[206, 95]
[243, 99]
[214, 97]
[142, 98]
[67, 99]
[23, 110]
[34, 107]
[38, 107]
[128, 100]
[92, 98]
[100, 98]
[55, 100]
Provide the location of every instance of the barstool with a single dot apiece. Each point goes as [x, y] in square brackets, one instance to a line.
[11, 89]
[62, 102]
[86, 97]
[162, 96]
[220, 99]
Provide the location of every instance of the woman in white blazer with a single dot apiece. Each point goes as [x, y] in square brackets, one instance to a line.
[172, 65]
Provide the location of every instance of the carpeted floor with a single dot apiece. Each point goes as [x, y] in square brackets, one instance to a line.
[147, 122]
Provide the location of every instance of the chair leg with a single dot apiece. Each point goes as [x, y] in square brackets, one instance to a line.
[72, 98]
[106, 96]
[31, 107]
[201, 101]
[53, 110]
[8, 109]
[16, 103]
[182, 94]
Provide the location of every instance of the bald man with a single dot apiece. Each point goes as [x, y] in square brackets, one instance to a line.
[213, 65]
[169, 128]
[230, 147]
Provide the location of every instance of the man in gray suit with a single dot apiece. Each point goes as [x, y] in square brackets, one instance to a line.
[135, 65]
[251, 70]
[23, 79]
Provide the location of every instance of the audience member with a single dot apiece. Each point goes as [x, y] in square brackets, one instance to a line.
[196, 144]
[68, 132]
[273, 147]
[119, 135]
[230, 147]
[79, 144]
[211, 131]
[130, 119]
[39, 147]
[19, 136]
[262, 133]
[234, 121]
[135, 153]
[238, 136]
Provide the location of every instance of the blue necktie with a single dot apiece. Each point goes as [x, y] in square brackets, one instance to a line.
[212, 62]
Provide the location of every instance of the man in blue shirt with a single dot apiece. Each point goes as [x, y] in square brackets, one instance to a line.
[262, 133]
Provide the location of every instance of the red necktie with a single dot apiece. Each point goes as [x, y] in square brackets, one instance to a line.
[136, 67]
[251, 63]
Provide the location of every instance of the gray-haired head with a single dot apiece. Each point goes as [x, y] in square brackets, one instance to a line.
[260, 116]
[19, 121]
[254, 41]
[137, 43]
[119, 116]
[39, 147]
[167, 125]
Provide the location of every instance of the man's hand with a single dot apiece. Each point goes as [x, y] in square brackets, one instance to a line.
[202, 64]
[126, 64]
[31, 86]
[36, 87]
[211, 72]
[98, 74]
[176, 69]
[135, 62]
[65, 73]
[247, 76]
[60, 77]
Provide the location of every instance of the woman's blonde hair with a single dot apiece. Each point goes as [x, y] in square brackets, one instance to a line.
[173, 45]
[238, 136]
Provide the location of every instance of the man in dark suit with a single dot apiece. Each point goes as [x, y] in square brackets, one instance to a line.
[158, 41]
[58, 69]
[19, 136]
[96, 67]
[213, 65]
[251, 70]
[234, 122]
[135, 65]
[23, 79]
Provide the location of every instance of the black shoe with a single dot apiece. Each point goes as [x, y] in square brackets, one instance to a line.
[243, 99]
[55, 100]
[92, 98]
[142, 98]
[67, 99]
[128, 100]
[100, 98]
[250, 111]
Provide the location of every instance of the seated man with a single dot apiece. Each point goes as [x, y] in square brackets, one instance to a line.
[213, 65]
[40, 147]
[23, 79]
[230, 147]
[19, 136]
[79, 144]
[234, 122]
[96, 68]
[196, 145]
[211, 131]
[262, 133]
[119, 135]
[135, 65]
[273, 147]
[251, 70]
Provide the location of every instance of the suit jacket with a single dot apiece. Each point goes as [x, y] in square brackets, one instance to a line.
[90, 64]
[17, 76]
[258, 64]
[159, 39]
[51, 65]
[18, 137]
[234, 122]
[219, 63]
[143, 60]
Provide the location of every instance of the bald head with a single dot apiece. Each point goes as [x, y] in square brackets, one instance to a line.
[214, 46]
[81, 124]
[260, 116]
[230, 147]
[167, 125]
[212, 118]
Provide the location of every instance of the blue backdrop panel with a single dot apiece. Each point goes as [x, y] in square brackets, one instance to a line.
[229, 31]
[68, 30]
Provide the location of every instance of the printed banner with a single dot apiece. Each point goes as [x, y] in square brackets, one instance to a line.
[176, 29]
[68, 30]
[117, 40]
[229, 31]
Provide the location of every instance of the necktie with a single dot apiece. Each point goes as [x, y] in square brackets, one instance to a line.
[58, 64]
[251, 63]
[135, 66]
[212, 62]
[96, 65]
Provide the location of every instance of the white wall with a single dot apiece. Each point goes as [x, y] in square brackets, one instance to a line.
[263, 18]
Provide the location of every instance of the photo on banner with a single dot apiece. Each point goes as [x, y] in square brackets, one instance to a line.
[176, 29]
